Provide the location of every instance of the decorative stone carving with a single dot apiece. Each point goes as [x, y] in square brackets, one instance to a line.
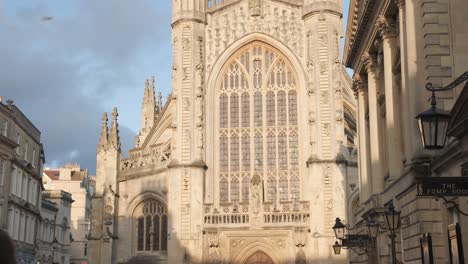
[369, 61]
[400, 3]
[228, 26]
[255, 7]
[185, 44]
[186, 104]
[311, 117]
[326, 129]
[386, 26]
[300, 237]
[212, 243]
[324, 95]
[323, 68]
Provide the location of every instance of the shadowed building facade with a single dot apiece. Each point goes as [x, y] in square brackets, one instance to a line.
[251, 157]
[395, 48]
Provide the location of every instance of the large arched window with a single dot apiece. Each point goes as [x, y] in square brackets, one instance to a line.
[257, 132]
[151, 226]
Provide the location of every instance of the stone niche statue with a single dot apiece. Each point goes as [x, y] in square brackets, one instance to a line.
[255, 8]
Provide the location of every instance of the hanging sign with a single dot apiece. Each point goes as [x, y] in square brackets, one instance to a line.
[442, 186]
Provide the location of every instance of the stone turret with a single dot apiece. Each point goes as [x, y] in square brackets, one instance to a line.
[103, 139]
[148, 107]
[114, 138]
[188, 10]
[105, 197]
[188, 40]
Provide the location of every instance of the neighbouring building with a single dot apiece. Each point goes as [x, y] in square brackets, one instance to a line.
[21, 159]
[54, 235]
[395, 47]
[46, 242]
[77, 182]
[251, 157]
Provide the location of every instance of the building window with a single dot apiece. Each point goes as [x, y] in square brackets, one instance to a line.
[26, 148]
[258, 115]
[18, 140]
[33, 159]
[4, 128]
[151, 226]
[235, 190]
[2, 171]
[19, 183]
[64, 231]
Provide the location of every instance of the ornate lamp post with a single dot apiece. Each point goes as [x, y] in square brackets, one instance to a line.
[339, 229]
[393, 223]
[54, 248]
[337, 248]
[433, 123]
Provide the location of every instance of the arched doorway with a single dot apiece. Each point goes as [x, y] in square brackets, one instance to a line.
[259, 257]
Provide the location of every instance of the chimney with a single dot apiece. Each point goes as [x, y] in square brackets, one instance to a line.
[65, 174]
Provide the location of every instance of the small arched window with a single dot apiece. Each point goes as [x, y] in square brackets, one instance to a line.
[64, 231]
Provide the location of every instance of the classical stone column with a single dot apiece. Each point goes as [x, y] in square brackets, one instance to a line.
[388, 32]
[370, 62]
[407, 119]
[360, 87]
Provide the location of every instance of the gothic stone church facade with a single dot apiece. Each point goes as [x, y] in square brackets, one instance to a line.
[251, 157]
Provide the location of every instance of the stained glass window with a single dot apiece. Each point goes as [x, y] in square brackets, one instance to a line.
[223, 153]
[234, 152]
[148, 233]
[271, 150]
[245, 110]
[156, 230]
[282, 151]
[272, 189]
[258, 109]
[258, 144]
[223, 190]
[270, 108]
[295, 187]
[283, 188]
[140, 232]
[281, 108]
[235, 190]
[234, 110]
[258, 115]
[292, 102]
[293, 149]
[245, 188]
[223, 111]
[164, 233]
[151, 232]
[246, 152]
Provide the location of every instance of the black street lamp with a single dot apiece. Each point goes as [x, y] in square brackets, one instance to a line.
[337, 248]
[433, 123]
[393, 223]
[54, 248]
[339, 229]
[372, 228]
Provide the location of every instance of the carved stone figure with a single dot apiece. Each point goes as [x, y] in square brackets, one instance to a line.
[255, 7]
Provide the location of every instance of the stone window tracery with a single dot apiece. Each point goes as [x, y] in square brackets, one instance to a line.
[258, 86]
[151, 226]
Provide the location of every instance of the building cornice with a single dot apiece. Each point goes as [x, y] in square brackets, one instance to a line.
[361, 29]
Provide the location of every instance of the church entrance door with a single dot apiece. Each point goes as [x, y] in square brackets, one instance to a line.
[259, 257]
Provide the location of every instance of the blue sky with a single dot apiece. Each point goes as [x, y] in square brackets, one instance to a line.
[91, 56]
